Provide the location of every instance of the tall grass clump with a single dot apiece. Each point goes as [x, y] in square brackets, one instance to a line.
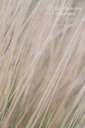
[42, 64]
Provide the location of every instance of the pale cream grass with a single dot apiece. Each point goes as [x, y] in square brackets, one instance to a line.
[42, 66]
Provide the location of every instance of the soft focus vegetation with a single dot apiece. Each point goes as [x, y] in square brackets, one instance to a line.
[42, 64]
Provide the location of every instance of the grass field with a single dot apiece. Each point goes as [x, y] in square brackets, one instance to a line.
[42, 64]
